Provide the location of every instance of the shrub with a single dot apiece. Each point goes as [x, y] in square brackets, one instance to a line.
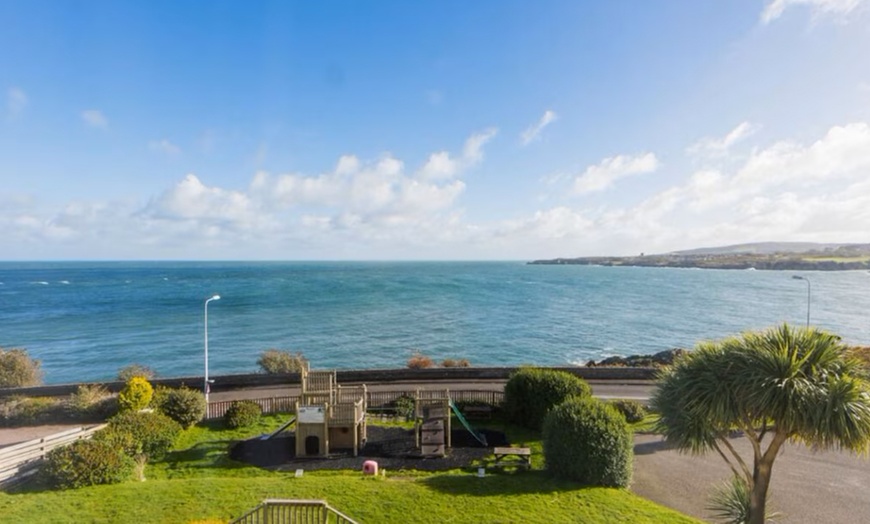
[461, 363]
[86, 463]
[17, 369]
[136, 395]
[242, 414]
[135, 370]
[420, 361]
[588, 441]
[20, 410]
[151, 433]
[405, 406]
[184, 405]
[632, 410]
[91, 400]
[275, 361]
[159, 397]
[530, 393]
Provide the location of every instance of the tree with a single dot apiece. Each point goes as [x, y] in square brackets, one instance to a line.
[276, 361]
[779, 385]
[17, 369]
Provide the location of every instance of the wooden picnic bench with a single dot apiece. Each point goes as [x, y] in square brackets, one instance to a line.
[518, 457]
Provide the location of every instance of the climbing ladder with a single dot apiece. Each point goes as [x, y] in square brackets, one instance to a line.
[432, 432]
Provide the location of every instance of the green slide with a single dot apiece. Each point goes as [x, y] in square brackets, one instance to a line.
[479, 436]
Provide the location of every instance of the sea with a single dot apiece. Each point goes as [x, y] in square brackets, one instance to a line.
[86, 320]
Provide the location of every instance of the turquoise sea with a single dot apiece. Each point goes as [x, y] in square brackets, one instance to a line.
[87, 320]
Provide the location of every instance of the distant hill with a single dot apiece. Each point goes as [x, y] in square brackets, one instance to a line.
[769, 248]
[761, 255]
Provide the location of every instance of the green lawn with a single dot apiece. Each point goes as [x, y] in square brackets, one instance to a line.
[198, 482]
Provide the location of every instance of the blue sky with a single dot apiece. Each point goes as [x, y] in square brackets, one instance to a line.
[430, 130]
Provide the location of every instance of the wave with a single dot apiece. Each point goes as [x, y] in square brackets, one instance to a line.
[64, 281]
[41, 283]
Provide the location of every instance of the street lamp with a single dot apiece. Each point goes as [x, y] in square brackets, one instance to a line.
[205, 387]
[809, 294]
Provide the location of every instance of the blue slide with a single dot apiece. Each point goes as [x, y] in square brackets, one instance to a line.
[479, 436]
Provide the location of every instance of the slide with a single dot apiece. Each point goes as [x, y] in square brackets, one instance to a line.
[479, 436]
[279, 430]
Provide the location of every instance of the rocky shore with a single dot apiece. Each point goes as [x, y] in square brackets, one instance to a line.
[657, 360]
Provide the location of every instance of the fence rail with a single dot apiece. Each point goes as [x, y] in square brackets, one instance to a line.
[290, 511]
[19, 461]
[377, 400]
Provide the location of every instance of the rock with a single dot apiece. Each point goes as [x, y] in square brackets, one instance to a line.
[660, 359]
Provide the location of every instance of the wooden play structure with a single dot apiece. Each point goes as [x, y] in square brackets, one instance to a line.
[329, 416]
[432, 427]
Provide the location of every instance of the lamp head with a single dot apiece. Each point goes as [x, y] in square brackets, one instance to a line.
[214, 297]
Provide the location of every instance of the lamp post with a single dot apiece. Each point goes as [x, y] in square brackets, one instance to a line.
[809, 295]
[205, 387]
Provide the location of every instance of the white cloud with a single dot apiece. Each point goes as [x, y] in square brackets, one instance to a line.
[95, 118]
[775, 8]
[603, 175]
[16, 101]
[534, 132]
[716, 147]
[441, 165]
[472, 153]
[164, 146]
[191, 199]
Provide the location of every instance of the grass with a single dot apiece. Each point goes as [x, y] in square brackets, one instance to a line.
[197, 481]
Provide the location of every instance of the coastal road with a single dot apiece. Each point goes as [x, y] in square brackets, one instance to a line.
[636, 390]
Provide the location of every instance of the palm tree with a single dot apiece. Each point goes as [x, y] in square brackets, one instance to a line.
[779, 385]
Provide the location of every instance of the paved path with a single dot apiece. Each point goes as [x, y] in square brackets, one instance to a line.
[807, 487]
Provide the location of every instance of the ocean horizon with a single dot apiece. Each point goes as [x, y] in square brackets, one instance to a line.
[86, 320]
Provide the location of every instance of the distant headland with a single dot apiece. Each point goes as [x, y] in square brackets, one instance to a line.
[761, 255]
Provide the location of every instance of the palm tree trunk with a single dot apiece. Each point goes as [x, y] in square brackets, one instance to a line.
[758, 494]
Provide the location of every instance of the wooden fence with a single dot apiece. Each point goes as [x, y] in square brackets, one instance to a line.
[19, 461]
[377, 401]
[288, 511]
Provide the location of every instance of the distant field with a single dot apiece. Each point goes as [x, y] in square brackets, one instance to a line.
[199, 482]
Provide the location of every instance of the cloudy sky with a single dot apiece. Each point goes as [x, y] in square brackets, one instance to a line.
[430, 130]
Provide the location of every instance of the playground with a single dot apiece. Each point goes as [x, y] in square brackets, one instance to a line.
[330, 430]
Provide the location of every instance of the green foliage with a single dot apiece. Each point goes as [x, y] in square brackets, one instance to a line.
[451, 363]
[86, 463]
[632, 410]
[20, 410]
[275, 361]
[184, 405]
[150, 433]
[136, 395]
[17, 369]
[136, 370]
[588, 441]
[729, 502]
[782, 383]
[404, 406]
[530, 393]
[420, 361]
[242, 414]
[159, 396]
[92, 401]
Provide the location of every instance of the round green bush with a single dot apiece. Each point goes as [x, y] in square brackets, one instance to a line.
[136, 394]
[86, 463]
[530, 393]
[588, 441]
[150, 433]
[242, 414]
[405, 406]
[185, 406]
[632, 410]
